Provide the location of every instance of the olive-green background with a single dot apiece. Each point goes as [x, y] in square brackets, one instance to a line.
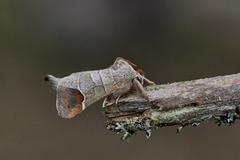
[169, 40]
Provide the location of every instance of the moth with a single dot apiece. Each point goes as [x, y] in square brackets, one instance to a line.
[79, 90]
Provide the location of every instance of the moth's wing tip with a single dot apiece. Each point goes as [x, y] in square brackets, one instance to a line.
[51, 79]
[46, 77]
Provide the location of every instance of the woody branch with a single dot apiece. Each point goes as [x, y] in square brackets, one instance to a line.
[183, 103]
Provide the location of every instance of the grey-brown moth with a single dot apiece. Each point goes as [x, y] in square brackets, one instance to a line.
[79, 90]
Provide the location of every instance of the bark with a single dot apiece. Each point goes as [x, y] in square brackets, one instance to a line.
[183, 103]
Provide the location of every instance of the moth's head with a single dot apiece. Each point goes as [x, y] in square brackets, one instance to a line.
[131, 64]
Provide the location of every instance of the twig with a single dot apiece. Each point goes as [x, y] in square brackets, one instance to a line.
[183, 103]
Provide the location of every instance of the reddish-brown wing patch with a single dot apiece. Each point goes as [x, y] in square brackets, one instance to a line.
[70, 102]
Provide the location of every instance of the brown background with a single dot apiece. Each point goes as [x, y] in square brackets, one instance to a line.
[170, 40]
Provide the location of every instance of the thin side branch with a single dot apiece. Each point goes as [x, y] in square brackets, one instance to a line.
[183, 103]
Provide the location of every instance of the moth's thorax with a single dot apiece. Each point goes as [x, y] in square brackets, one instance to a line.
[122, 73]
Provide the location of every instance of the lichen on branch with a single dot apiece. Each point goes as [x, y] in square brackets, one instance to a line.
[182, 103]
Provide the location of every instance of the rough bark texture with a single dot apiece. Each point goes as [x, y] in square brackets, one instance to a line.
[183, 103]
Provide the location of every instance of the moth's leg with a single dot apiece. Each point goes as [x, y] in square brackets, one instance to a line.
[120, 95]
[147, 81]
[137, 84]
[105, 101]
[109, 100]
[117, 100]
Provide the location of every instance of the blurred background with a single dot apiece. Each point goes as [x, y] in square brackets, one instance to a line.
[170, 40]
